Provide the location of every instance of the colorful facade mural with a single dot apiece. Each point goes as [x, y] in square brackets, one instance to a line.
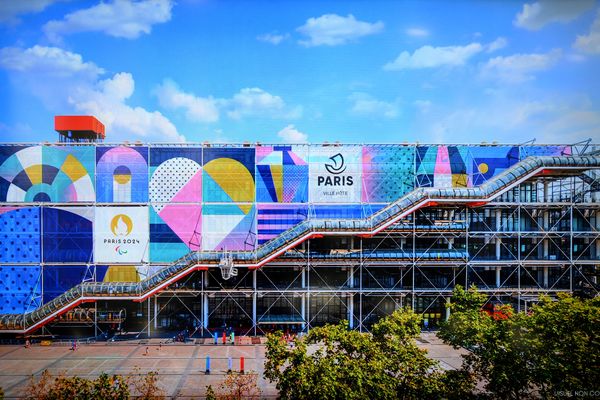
[387, 173]
[193, 198]
[527, 151]
[228, 175]
[282, 174]
[175, 232]
[60, 278]
[175, 196]
[20, 235]
[20, 288]
[58, 174]
[229, 227]
[68, 234]
[175, 176]
[122, 174]
[461, 166]
[273, 219]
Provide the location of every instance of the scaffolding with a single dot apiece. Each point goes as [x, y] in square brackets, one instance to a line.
[533, 230]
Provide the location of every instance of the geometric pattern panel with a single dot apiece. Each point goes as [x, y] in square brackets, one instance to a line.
[527, 151]
[121, 273]
[347, 211]
[20, 234]
[228, 227]
[58, 174]
[461, 166]
[488, 162]
[60, 278]
[388, 172]
[175, 231]
[67, 234]
[175, 176]
[121, 174]
[228, 175]
[20, 288]
[273, 219]
[282, 174]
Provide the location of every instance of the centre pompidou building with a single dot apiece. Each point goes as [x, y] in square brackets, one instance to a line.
[100, 238]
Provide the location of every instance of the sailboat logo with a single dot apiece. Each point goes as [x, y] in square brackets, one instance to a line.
[338, 164]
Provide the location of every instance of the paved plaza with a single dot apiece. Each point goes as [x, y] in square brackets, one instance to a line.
[181, 367]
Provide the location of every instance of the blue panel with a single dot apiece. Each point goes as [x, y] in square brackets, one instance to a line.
[527, 151]
[388, 172]
[68, 234]
[229, 175]
[175, 231]
[20, 288]
[19, 234]
[348, 211]
[59, 279]
[273, 219]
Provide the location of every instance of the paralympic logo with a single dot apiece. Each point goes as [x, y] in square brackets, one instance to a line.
[119, 250]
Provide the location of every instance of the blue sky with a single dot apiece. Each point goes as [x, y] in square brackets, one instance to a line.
[301, 71]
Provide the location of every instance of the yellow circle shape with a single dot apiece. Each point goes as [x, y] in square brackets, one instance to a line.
[122, 179]
[483, 168]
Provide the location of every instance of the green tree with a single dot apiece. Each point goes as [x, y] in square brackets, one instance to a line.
[333, 362]
[552, 350]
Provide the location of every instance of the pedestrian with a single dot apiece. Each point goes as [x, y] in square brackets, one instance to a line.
[27, 344]
[146, 353]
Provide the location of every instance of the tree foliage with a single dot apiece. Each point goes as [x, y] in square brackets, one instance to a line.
[75, 388]
[115, 387]
[238, 387]
[552, 351]
[333, 362]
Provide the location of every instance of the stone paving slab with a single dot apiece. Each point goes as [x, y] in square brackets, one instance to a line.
[181, 367]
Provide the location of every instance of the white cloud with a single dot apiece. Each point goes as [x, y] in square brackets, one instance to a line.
[505, 118]
[365, 104]
[535, 16]
[11, 9]
[417, 32]
[250, 102]
[273, 38]
[590, 43]
[497, 44]
[107, 102]
[290, 134]
[47, 60]
[118, 18]
[519, 67]
[196, 108]
[432, 57]
[66, 83]
[423, 105]
[333, 30]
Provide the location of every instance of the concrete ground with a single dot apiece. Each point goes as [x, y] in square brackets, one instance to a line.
[180, 366]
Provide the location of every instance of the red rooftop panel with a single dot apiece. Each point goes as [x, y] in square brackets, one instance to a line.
[79, 123]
